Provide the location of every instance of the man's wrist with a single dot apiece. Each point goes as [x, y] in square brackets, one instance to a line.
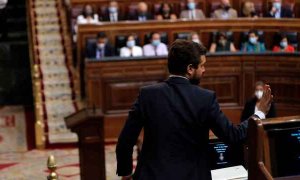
[260, 114]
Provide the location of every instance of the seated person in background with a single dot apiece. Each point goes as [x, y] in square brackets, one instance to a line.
[100, 49]
[222, 44]
[278, 11]
[131, 50]
[166, 12]
[225, 11]
[251, 105]
[88, 15]
[112, 13]
[156, 48]
[283, 45]
[249, 10]
[195, 38]
[253, 45]
[142, 13]
[192, 13]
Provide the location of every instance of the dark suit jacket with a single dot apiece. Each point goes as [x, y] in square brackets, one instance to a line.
[136, 16]
[176, 117]
[249, 109]
[284, 13]
[106, 16]
[92, 48]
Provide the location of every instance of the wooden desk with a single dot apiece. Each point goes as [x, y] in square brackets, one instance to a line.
[113, 85]
[263, 162]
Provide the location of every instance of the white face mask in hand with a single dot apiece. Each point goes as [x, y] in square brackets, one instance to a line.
[259, 94]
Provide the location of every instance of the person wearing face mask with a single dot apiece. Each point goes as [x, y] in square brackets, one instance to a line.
[141, 14]
[222, 44]
[253, 44]
[195, 38]
[192, 13]
[156, 47]
[252, 104]
[112, 13]
[284, 45]
[176, 116]
[131, 50]
[225, 11]
[279, 11]
[88, 16]
[165, 12]
[100, 49]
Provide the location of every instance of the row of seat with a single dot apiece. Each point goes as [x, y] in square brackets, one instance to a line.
[208, 6]
[120, 40]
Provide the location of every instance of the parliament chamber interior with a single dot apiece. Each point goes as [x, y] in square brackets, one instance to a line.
[72, 70]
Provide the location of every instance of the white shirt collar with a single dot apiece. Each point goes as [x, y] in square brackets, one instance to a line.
[173, 75]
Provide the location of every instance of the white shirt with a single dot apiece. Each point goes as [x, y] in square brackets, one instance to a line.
[136, 51]
[192, 14]
[160, 50]
[278, 13]
[82, 20]
[260, 114]
[113, 17]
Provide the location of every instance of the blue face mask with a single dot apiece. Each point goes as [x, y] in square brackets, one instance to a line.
[283, 44]
[191, 5]
[112, 9]
[277, 5]
[253, 40]
[130, 43]
[155, 42]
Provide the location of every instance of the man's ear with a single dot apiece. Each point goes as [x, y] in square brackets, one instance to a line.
[190, 69]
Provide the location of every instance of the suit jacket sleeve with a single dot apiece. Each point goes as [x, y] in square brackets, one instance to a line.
[109, 50]
[288, 13]
[223, 127]
[90, 51]
[128, 138]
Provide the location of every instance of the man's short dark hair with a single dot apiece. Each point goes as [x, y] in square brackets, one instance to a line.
[183, 53]
[253, 31]
[101, 35]
[152, 33]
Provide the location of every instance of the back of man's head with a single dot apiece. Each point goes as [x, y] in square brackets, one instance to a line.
[183, 53]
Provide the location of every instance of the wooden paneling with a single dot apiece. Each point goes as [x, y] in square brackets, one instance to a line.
[113, 85]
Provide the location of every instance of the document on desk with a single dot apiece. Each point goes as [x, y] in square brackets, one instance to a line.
[230, 173]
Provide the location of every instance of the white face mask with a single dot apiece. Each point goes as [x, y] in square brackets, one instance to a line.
[196, 41]
[259, 94]
[100, 45]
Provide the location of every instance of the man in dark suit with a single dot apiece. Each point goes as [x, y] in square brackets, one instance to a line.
[142, 13]
[279, 11]
[176, 116]
[112, 13]
[100, 49]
